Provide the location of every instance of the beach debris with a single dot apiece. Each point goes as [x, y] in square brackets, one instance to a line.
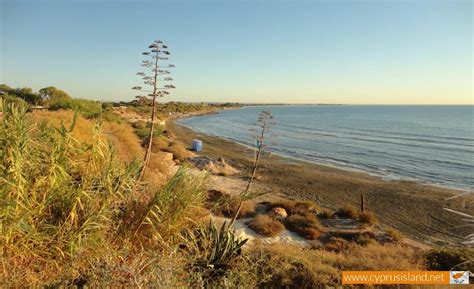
[278, 213]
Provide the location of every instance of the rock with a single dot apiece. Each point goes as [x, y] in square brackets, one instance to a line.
[278, 213]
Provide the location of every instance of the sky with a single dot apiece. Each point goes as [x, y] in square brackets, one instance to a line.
[354, 52]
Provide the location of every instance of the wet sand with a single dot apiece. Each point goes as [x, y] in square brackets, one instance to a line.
[413, 208]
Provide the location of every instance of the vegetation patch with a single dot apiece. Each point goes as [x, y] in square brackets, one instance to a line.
[296, 207]
[450, 259]
[367, 218]
[266, 225]
[348, 211]
[394, 235]
[247, 210]
[159, 144]
[306, 225]
[179, 151]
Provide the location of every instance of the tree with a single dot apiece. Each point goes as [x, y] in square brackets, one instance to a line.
[51, 93]
[155, 57]
[264, 125]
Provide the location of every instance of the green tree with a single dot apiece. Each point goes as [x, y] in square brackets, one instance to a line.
[52, 93]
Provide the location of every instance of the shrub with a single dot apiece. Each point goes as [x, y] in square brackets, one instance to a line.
[394, 235]
[367, 218]
[266, 225]
[447, 259]
[230, 208]
[296, 207]
[325, 214]
[159, 144]
[143, 133]
[88, 108]
[365, 239]
[348, 211]
[139, 124]
[336, 244]
[110, 116]
[306, 225]
[179, 151]
[6, 99]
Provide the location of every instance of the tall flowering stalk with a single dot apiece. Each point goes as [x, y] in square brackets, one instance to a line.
[262, 128]
[155, 64]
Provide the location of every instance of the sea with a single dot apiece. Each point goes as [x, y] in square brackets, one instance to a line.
[430, 144]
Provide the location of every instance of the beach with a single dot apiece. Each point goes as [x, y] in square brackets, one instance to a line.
[413, 208]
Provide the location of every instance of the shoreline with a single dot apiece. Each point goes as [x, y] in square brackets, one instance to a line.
[383, 177]
[416, 209]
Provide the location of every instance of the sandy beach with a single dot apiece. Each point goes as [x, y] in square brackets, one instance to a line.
[413, 208]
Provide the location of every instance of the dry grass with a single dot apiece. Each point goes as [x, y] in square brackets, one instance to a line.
[159, 144]
[325, 214]
[230, 209]
[126, 144]
[266, 225]
[450, 259]
[367, 218]
[348, 211]
[286, 266]
[124, 140]
[306, 225]
[394, 235]
[179, 151]
[336, 244]
[82, 129]
[296, 207]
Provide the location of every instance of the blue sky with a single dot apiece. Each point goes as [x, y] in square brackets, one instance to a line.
[377, 52]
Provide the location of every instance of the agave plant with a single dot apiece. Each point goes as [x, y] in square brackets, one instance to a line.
[214, 249]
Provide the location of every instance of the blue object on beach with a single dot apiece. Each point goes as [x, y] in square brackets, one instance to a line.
[197, 145]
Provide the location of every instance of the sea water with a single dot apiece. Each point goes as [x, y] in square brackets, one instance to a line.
[433, 144]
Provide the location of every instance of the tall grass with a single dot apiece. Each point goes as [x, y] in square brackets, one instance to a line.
[58, 197]
[70, 213]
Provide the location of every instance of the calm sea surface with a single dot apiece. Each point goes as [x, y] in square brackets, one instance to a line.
[433, 144]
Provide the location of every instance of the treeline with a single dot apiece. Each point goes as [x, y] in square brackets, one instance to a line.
[51, 98]
[144, 105]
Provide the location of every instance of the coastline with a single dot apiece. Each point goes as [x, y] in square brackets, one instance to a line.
[414, 208]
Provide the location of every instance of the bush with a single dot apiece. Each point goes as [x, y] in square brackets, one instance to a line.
[296, 207]
[266, 226]
[229, 209]
[336, 244]
[110, 116]
[305, 225]
[143, 132]
[348, 211]
[394, 235]
[139, 124]
[6, 99]
[179, 151]
[367, 218]
[447, 259]
[325, 214]
[159, 144]
[88, 108]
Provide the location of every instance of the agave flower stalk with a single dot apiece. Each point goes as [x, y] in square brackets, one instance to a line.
[154, 64]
